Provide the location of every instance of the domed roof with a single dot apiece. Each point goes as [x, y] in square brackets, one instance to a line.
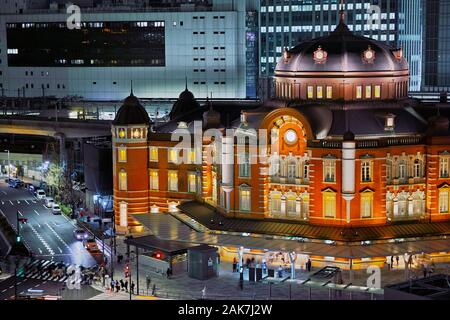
[342, 51]
[186, 102]
[131, 112]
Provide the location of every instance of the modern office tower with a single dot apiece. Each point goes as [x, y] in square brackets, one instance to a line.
[286, 23]
[436, 62]
[156, 48]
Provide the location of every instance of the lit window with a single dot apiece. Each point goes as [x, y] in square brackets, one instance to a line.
[329, 204]
[443, 167]
[389, 123]
[310, 92]
[377, 92]
[366, 204]
[366, 171]
[154, 180]
[291, 204]
[122, 133]
[192, 155]
[192, 183]
[319, 92]
[417, 169]
[244, 196]
[275, 202]
[329, 168]
[173, 155]
[443, 200]
[122, 180]
[368, 92]
[173, 180]
[358, 92]
[122, 154]
[329, 92]
[153, 154]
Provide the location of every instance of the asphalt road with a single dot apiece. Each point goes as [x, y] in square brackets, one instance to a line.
[51, 288]
[49, 236]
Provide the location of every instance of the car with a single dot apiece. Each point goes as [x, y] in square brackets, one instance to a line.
[90, 244]
[80, 234]
[40, 194]
[15, 183]
[56, 209]
[31, 188]
[49, 202]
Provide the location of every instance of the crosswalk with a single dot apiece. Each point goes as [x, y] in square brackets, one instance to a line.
[43, 270]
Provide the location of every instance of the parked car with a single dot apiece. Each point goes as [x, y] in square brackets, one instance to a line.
[40, 194]
[49, 202]
[80, 234]
[56, 209]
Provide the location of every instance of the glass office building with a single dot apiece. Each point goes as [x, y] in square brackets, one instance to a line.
[436, 63]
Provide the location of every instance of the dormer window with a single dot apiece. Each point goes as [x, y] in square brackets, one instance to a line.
[182, 125]
[122, 133]
[389, 123]
[137, 133]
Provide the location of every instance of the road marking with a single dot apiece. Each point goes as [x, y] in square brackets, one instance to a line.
[59, 238]
[37, 212]
[1, 211]
[11, 202]
[26, 201]
[20, 213]
[39, 236]
[18, 202]
[33, 201]
[4, 290]
[3, 202]
[40, 250]
[60, 250]
[4, 192]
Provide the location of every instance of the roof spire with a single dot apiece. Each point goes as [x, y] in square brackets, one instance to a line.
[342, 11]
[131, 94]
[186, 84]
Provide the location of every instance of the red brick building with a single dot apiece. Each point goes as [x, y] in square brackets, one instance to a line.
[346, 147]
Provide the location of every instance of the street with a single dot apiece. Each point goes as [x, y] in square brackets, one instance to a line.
[49, 236]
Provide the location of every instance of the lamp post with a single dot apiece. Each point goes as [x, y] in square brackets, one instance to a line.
[9, 166]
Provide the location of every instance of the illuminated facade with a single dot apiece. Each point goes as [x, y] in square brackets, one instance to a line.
[345, 147]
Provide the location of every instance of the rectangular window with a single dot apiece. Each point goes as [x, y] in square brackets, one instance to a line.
[329, 171]
[291, 205]
[244, 165]
[153, 154]
[122, 181]
[329, 204]
[191, 155]
[329, 92]
[173, 181]
[366, 205]
[122, 154]
[173, 155]
[310, 92]
[443, 201]
[443, 167]
[366, 171]
[319, 92]
[377, 92]
[154, 180]
[192, 183]
[358, 92]
[368, 92]
[245, 200]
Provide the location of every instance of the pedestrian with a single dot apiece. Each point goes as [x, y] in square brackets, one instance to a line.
[126, 285]
[117, 286]
[397, 259]
[154, 289]
[168, 272]
[112, 285]
[148, 281]
[424, 270]
[122, 284]
[132, 287]
[280, 272]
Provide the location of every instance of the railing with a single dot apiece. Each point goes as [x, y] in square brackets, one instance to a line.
[370, 143]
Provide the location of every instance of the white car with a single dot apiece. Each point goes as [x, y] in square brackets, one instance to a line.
[40, 194]
[56, 209]
[49, 202]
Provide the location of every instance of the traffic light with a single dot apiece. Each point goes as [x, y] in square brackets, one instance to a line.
[23, 220]
[18, 239]
[127, 270]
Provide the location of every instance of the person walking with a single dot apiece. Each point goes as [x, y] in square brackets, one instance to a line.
[122, 284]
[126, 285]
[113, 284]
[132, 287]
[118, 286]
[397, 259]
[148, 282]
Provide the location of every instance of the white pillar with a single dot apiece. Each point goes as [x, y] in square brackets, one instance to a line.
[292, 259]
[240, 258]
[227, 161]
[348, 173]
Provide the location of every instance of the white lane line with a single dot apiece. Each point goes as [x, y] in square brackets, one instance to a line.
[39, 236]
[59, 238]
[20, 213]
[33, 201]
[3, 202]
[11, 202]
[37, 212]
[26, 201]
[40, 250]
[18, 202]
[1, 211]
[4, 290]
[60, 250]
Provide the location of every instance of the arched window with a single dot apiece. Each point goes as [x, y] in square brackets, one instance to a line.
[275, 202]
[366, 204]
[417, 169]
[123, 180]
[444, 200]
[329, 204]
[291, 204]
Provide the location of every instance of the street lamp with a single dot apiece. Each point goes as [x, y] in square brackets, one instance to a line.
[9, 166]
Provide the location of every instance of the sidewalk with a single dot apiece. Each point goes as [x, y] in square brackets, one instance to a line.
[226, 285]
